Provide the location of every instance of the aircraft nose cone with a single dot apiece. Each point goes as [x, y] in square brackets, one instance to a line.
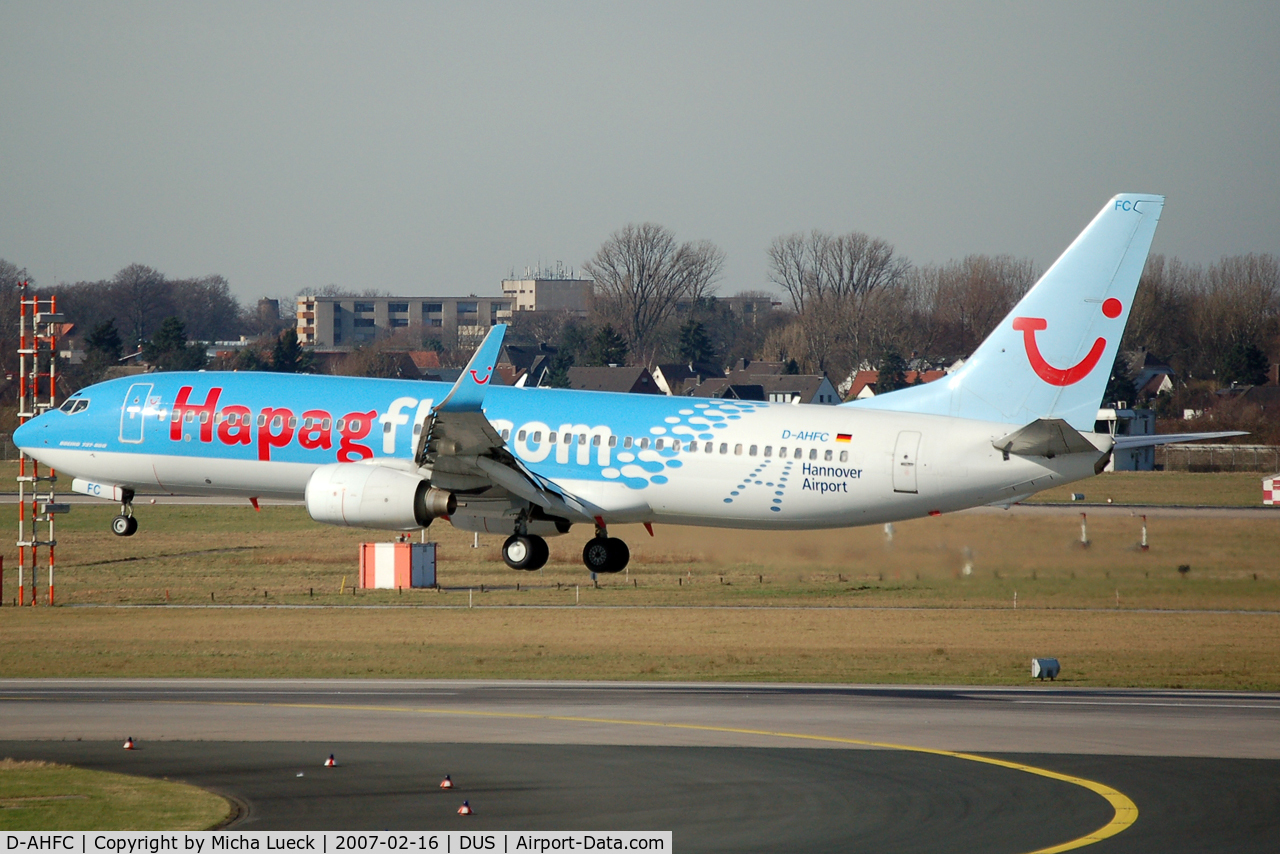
[25, 436]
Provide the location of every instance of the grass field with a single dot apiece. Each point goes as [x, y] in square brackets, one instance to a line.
[695, 603]
[47, 797]
[1163, 488]
[232, 555]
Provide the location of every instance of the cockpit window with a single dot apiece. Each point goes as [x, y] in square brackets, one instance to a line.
[74, 405]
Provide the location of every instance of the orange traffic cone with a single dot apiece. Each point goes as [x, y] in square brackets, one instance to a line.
[329, 763]
[128, 743]
[465, 809]
[446, 783]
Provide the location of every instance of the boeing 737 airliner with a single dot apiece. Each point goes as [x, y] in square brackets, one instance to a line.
[529, 463]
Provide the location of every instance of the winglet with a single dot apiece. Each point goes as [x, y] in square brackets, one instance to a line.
[468, 392]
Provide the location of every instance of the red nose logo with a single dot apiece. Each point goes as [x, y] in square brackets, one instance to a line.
[1028, 326]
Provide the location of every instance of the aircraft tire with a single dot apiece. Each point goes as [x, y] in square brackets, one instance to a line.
[124, 526]
[541, 551]
[619, 554]
[596, 555]
[520, 552]
[606, 554]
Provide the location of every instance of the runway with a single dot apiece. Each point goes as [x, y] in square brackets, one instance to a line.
[726, 767]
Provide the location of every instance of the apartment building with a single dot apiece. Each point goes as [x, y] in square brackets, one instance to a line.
[332, 322]
[548, 294]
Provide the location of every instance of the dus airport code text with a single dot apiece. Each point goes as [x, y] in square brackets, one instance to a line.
[206, 842]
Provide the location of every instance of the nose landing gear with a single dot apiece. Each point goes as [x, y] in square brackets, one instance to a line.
[125, 525]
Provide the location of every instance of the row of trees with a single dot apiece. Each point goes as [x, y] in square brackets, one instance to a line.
[851, 301]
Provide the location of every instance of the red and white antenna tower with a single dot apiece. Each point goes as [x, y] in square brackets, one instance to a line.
[38, 327]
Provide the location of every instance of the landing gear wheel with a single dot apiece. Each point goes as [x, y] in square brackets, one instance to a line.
[124, 526]
[541, 552]
[525, 552]
[606, 554]
[621, 554]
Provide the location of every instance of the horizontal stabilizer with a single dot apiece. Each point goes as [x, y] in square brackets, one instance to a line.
[1123, 442]
[1046, 437]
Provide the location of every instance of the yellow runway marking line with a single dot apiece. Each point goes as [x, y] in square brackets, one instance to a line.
[1126, 811]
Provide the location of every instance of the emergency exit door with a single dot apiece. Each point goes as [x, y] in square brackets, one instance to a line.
[904, 461]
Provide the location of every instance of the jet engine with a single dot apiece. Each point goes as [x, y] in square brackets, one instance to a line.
[356, 495]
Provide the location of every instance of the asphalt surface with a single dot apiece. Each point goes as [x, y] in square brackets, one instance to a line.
[725, 767]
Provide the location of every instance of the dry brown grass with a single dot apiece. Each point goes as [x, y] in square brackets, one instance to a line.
[229, 555]
[709, 604]
[805, 645]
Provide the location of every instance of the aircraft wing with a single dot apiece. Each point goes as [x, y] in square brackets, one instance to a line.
[457, 441]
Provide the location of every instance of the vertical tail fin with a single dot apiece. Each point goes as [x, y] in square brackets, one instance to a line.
[1051, 357]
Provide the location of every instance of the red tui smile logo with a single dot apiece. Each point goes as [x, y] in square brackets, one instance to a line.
[1028, 326]
[481, 381]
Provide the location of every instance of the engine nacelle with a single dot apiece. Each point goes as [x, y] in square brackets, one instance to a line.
[356, 495]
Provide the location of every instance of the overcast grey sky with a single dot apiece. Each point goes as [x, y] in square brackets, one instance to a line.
[429, 148]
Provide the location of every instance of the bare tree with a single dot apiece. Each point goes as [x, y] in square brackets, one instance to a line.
[846, 291]
[957, 304]
[1193, 315]
[641, 274]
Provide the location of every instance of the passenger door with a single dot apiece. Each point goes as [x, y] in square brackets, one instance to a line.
[133, 413]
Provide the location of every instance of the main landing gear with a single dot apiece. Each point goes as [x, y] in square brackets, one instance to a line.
[525, 551]
[604, 553]
[125, 525]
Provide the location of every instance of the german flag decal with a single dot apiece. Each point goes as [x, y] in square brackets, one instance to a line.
[844, 437]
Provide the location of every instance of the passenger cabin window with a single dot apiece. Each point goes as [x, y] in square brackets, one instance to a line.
[827, 456]
[551, 437]
[737, 450]
[658, 445]
[707, 448]
[675, 444]
[844, 456]
[752, 450]
[644, 443]
[782, 453]
[724, 447]
[506, 434]
[595, 440]
[613, 441]
[520, 436]
[537, 437]
[813, 453]
[768, 450]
